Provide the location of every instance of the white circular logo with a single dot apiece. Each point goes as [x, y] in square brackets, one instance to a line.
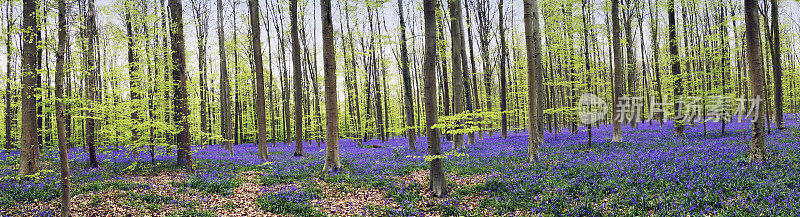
[591, 109]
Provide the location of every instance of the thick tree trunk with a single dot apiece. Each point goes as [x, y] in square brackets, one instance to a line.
[534, 56]
[61, 125]
[179, 75]
[752, 33]
[261, 116]
[437, 182]
[408, 105]
[332, 161]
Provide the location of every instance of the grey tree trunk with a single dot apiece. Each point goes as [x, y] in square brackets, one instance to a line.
[133, 69]
[457, 78]
[534, 55]
[332, 161]
[61, 125]
[9, 114]
[754, 59]
[179, 75]
[776, 66]
[676, 67]
[408, 105]
[618, 89]
[298, 82]
[225, 101]
[437, 182]
[503, 82]
[91, 92]
[261, 116]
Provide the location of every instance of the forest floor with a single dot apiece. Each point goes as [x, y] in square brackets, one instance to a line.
[652, 173]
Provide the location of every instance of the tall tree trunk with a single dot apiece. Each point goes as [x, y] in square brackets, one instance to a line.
[656, 64]
[503, 82]
[62, 131]
[752, 33]
[179, 75]
[534, 56]
[201, 18]
[408, 106]
[261, 115]
[458, 77]
[9, 113]
[618, 89]
[91, 67]
[676, 68]
[332, 161]
[298, 82]
[586, 61]
[225, 92]
[437, 182]
[776, 66]
[133, 68]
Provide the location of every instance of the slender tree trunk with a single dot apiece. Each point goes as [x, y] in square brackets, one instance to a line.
[676, 68]
[534, 56]
[259, 73]
[656, 64]
[133, 68]
[332, 161]
[179, 75]
[776, 66]
[408, 106]
[458, 77]
[586, 61]
[618, 89]
[503, 82]
[225, 92]
[437, 182]
[9, 70]
[298, 82]
[91, 67]
[62, 131]
[752, 33]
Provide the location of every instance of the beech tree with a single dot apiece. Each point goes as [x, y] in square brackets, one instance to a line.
[180, 76]
[758, 150]
[437, 182]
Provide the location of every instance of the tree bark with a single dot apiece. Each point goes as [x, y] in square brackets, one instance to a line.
[225, 101]
[503, 82]
[297, 81]
[179, 75]
[332, 161]
[437, 182]
[676, 68]
[534, 56]
[754, 59]
[91, 91]
[9, 70]
[59, 92]
[133, 68]
[457, 78]
[776, 66]
[261, 115]
[618, 89]
[408, 105]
